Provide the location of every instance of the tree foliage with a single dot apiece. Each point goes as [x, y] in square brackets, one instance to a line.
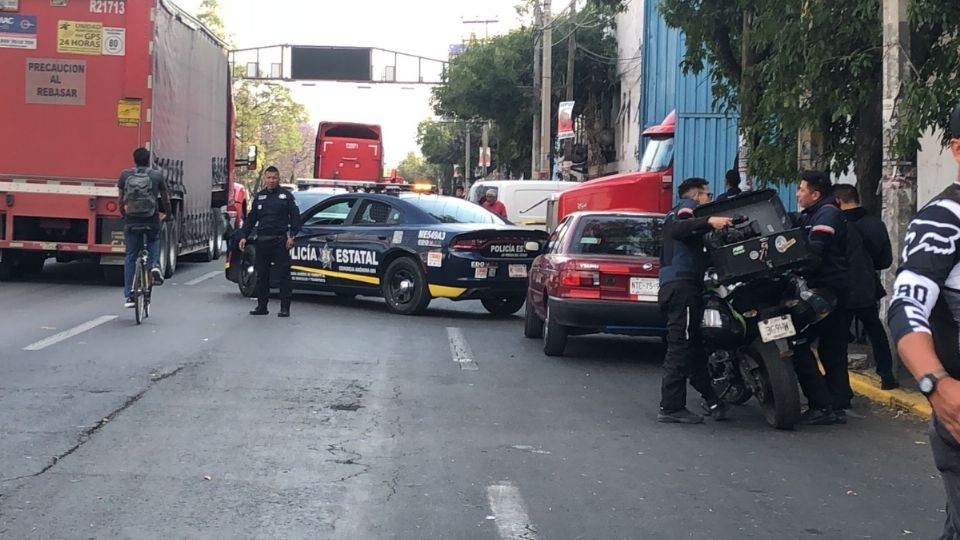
[209, 14]
[299, 163]
[812, 64]
[493, 80]
[414, 167]
[268, 116]
[934, 90]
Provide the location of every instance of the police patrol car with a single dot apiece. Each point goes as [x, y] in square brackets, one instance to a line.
[408, 248]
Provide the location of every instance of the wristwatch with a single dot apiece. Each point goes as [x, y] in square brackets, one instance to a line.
[928, 383]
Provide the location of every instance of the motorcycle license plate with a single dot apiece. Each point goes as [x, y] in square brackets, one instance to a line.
[517, 270]
[777, 328]
[645, 288]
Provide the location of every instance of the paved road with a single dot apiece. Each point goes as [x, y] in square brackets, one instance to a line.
[348, 422]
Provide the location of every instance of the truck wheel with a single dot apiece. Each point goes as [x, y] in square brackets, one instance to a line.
[502, 306]
[113, 275]
[532, 323]
[405, 287]
[554, 335]
[7, 266]
[31, 264]
[172, 249]
[247, 276]
[218, 232]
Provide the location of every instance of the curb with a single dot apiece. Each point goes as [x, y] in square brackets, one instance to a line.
[869, 387]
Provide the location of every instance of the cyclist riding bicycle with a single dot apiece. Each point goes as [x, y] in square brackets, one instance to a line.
[140, 189]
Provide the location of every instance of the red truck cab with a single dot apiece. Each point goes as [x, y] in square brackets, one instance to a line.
[648, 190]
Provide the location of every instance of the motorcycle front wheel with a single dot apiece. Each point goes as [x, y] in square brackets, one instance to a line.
[780, 398]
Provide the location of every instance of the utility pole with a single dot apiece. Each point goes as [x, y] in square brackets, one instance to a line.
[484, 144]
[899, 182]
[537, 66]
[546, 101]
[467, 167]
[571, 50]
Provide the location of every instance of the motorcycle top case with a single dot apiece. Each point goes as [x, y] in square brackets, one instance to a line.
[767, 243]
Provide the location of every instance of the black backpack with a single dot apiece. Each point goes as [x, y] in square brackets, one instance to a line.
[139, 196]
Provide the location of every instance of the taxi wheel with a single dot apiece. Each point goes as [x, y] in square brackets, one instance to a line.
[405, 287]
[501, 306]
[554, 336]
[532, 324]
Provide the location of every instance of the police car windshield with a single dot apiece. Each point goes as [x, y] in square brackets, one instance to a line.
[308, 198]
[619, 235]
[453, 210]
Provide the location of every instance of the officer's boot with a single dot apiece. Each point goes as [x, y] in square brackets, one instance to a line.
[261, 309]
[284, 309]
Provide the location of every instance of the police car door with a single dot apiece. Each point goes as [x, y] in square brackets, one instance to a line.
[375, 227]
[313, 255]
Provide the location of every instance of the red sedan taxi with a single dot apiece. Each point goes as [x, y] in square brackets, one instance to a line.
[598, 274]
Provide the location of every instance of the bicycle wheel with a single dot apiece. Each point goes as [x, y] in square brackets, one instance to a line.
[138, 295]
[147, 291]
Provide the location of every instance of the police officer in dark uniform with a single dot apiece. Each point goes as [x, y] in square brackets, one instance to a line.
[682, 266]
[827, 395]
[277, 219]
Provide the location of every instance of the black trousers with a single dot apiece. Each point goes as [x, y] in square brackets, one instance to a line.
[682, 304]
[870, 318]
[946, 455]
[273, 251]
[833, 388]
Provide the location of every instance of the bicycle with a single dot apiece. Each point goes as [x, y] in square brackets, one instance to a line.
[142, 284]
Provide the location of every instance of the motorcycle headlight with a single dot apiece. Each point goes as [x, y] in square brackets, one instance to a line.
[712, 318]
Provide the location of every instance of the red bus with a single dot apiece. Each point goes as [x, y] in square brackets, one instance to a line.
[348, 151]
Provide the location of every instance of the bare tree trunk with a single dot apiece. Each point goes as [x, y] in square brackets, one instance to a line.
[868, 165]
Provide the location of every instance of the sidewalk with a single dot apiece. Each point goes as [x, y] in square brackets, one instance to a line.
[867, 384]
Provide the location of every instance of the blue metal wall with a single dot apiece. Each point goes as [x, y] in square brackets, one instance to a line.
[707, 137]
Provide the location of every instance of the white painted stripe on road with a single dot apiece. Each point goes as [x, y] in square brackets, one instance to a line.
[509, 512]
[459, 349]
[67, 334]
[204, 277]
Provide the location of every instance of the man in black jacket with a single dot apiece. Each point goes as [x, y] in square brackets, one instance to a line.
[683, 263]
[829, 269]
[731, 182]
[277, 221]
[869, 253]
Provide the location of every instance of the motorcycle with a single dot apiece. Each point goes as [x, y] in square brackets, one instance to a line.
[750, 329]
[757, 305]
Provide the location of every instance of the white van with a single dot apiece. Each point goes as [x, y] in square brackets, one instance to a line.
[526, 200]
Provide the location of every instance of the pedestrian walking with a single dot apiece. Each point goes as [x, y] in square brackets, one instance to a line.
[683, 262]
[827, 395]
[869, 253]
[924, 314]
[276, 218]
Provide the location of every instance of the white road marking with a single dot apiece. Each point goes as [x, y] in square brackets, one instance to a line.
[67, 334]
[460, 350]
[204, 277]
[509, 512]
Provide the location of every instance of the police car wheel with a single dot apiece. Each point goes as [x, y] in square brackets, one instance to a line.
[501, 306]
[246, 276]
[405, 287]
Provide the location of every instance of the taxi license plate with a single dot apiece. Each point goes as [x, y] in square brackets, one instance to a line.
[644, 287]
[777, 328]
[517, 270]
